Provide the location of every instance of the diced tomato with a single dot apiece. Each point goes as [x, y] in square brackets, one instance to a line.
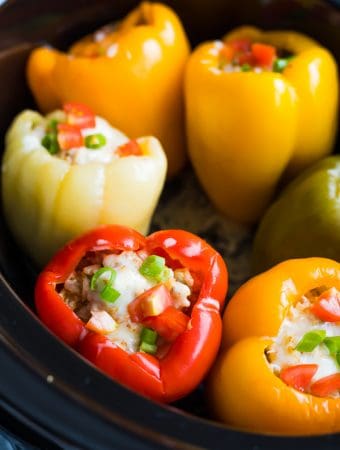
[327, 306]
[299, 376]
[101, 322]
[151, 303]
[326, 386]
[170, 324]
[240, 45]
[227, 52]
[264, 54]
[79, 115]
[130, 148]
[246, 58]
[69, 136]
[241, 52]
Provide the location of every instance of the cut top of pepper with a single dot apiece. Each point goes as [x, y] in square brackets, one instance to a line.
[79, 137]
[306, 352]
[244, 55]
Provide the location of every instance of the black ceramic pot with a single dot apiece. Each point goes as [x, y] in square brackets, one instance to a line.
[48, 394]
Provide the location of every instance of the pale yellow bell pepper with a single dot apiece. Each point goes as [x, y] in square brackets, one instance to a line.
[49, 200]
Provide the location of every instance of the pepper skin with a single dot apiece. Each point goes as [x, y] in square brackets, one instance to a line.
[246, 130]
[305, 219]
[137, 88]
[48, 201]
[190, 355]
[243, 390]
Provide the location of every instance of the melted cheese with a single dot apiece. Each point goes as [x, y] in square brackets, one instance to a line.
[83, 155]
[297, 323]
[130, 283]
[231, 68]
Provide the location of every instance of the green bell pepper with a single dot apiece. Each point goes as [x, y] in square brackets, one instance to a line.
[305, 219]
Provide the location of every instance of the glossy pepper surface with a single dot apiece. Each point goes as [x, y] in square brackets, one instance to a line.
[305, 220]
[49, 200]
[191, 353]
[243, 389]
[131, 75]
[247, 129]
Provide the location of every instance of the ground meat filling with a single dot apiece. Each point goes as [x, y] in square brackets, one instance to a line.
[306, 338]
[105, 283]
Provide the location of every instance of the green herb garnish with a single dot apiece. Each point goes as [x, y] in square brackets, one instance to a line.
[95, 141]
[311, 340]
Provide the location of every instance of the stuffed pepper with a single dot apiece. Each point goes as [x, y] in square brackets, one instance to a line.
[260, 105]
[279, 370]
[144, 310]
[304, 220]
[130, 73]
[70, 171]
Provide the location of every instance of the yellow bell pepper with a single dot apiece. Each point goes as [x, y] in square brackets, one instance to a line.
[244, 391]
[130, 75]
[247, 129]
[49, 198]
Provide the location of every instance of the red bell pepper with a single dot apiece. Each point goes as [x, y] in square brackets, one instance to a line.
[190, 355]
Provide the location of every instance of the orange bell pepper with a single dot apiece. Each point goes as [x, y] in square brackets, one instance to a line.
[131, 75]
[243, 389]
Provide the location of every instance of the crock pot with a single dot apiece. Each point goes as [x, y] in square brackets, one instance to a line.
[49, 396]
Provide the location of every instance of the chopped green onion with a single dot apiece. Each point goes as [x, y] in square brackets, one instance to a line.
[109, 294]
[281, 63]
[50, 142]
[333, 344]
[53, 126]
[149, 336]
[148, 341]
[148, 348]
[102, 281]
[338, 358]
[102, 277]
[154, 267]
[95, 141]
[245, 68]
[311, 340]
